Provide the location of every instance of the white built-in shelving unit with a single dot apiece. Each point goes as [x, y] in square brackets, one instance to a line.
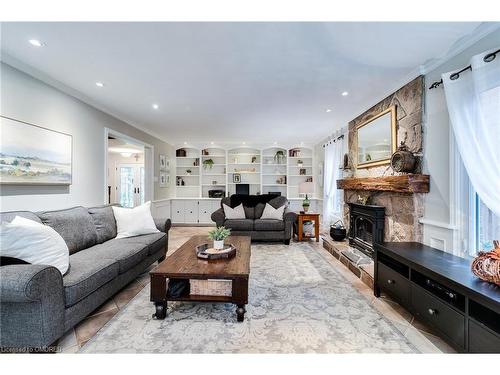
[273, 169]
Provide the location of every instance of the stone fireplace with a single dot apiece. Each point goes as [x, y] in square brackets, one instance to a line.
[394, 202]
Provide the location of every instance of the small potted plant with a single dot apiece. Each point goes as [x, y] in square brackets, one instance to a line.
[300, 163]
[218, 235]
[208, 163]
[188, 172]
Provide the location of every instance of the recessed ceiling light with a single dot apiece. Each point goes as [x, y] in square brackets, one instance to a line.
[156, 106]
[328, 110]
[35, 42]
[244, 143]
[345, 93]
[275, 143]
[99, 84]
[211, 143]
[185, 143]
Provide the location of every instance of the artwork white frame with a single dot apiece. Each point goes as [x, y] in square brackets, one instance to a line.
[42, 156]
[162, 179]
[163, 162]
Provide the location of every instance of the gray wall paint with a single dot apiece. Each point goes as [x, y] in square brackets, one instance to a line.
[437, 147]
[28, 99]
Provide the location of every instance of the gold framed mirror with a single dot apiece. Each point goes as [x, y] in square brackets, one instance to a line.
[376, 139]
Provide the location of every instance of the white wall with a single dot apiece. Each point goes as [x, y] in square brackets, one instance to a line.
[438, 220]
[28, 99]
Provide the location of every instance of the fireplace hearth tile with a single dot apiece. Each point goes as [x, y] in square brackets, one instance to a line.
[355, 261]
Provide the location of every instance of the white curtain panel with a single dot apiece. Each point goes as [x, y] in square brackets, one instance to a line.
[473, 102]
[332, 197]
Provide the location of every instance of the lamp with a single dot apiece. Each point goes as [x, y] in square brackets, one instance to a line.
[306, 188]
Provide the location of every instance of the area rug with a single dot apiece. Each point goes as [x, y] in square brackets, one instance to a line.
[298, 303]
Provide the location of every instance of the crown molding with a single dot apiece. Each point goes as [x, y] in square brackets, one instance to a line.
[58, 85]
[483, 30]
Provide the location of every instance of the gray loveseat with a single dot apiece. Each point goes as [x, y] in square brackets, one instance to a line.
[38, 304]
[253, 226]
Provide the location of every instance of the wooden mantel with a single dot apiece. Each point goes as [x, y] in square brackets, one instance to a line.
[406, 183]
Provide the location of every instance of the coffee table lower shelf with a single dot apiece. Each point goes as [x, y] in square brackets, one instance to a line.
[159, 296]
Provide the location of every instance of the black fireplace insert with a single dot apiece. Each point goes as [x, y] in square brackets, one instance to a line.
[366, 226]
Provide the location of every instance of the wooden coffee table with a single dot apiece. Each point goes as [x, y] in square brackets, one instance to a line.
[184, 264]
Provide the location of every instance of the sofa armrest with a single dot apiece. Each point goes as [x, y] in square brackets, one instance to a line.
[162, 224]
[32, 305]
[289, 216]
[218, 217]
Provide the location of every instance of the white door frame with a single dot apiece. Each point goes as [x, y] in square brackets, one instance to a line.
[148, 163]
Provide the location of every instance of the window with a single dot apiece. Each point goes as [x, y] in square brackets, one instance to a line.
[487, 227]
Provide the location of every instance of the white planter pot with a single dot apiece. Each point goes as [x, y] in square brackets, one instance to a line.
[219, 245]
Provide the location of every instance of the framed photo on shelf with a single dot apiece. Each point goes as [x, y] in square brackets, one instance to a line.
[302, 171]
[236, 178]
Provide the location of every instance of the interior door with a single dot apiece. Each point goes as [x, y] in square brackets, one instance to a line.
[130, 184]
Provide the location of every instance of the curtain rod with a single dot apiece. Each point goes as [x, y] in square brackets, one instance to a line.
[488, 58]
[333, 140]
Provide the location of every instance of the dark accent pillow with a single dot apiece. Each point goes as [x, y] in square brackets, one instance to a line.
[249, 212]
[8, 261]
[259, 210]
[104, 221]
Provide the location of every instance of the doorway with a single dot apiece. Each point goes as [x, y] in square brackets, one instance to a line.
[127, 177]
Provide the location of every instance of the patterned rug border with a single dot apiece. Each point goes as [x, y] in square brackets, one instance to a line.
[327, 257]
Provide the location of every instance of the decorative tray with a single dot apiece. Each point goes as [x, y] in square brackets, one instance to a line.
[204, 251]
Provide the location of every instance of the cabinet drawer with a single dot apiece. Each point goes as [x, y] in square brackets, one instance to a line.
[393, 283]
[482, 340]
[440, 316]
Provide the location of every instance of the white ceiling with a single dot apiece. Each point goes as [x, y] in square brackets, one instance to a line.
[232, 81]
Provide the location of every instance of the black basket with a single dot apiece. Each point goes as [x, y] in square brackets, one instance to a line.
[338, 234]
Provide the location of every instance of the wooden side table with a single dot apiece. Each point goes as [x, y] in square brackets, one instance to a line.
[307, 217]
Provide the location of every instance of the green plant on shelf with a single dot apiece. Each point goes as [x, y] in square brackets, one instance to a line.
[208, 163]
[219, 234]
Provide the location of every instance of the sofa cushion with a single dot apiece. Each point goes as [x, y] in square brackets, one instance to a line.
[104, 221]
[154, 241]
[126, 253]
[239, 224]
[269, 225]
[9, 216]
[87, 273]
[75, 225]
[277, 202]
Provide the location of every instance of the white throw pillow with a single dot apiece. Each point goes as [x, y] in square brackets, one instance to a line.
[34, 243]
[234, 213]
[273, 213]
[134, 221]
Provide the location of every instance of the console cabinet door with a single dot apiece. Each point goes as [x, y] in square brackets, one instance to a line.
[191, 211]
[177, 211]
[205, 211]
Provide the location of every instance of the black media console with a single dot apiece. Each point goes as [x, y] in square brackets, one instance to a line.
[440, 290]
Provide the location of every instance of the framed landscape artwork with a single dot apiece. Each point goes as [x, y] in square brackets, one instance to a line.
[32, 155]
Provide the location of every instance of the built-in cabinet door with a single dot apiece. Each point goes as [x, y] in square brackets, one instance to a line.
[191, 211]
[178, 211]
[205, 211]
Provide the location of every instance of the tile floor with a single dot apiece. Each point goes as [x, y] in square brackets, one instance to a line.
[417, 333]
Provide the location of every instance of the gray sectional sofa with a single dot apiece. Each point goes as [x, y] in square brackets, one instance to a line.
[253, 226]
[38, 304]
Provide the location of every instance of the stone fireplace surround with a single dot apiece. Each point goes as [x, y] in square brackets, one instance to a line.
[402, 210]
